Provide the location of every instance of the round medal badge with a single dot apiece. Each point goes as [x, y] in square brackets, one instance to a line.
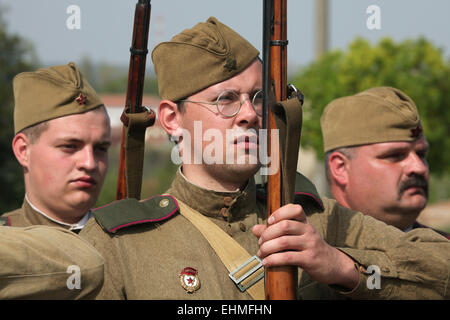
[189, 279]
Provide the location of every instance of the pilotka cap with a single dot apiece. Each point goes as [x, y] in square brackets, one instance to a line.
[382, 114]
[51, 93]
[197, 58]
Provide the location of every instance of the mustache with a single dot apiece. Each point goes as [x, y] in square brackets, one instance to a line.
[414, 181]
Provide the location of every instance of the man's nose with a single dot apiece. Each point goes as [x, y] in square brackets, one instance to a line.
[417, 165]
[247, 115]
[87, 159]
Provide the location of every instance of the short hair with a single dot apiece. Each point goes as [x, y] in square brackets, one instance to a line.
[34, 132]
[348, 152]
[181, 106]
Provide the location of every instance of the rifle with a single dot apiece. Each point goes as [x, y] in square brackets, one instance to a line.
[280, 282]
[135, 117]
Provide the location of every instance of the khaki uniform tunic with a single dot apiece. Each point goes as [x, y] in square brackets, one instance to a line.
[41, 262]
[26, 216]
[143, 261]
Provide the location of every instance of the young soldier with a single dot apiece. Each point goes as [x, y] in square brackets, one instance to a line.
[375, 155]
[62, 140]
[188, 243]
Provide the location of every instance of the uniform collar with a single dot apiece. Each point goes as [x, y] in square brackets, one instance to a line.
[231, 205]
[36, 216]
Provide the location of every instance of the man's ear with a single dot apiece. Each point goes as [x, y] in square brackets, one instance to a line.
[338, 165]
[169, 118]
[21, 147]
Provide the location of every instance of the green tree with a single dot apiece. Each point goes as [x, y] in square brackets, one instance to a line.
[16, 55]
[414, 66]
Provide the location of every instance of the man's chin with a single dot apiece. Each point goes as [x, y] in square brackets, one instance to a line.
[240, 171]
[244, 171]
[83, 201]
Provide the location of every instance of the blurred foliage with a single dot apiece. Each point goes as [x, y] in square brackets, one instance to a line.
[16, 55]
[439, 188]
[413, 66]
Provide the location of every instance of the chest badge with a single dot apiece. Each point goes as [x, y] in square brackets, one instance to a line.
[189, 279]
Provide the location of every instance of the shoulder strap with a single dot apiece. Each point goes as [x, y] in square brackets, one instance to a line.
[305, 192]
[231, 253]
[128, 212]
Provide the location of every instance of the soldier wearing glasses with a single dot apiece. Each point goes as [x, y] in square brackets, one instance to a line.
[154, 250]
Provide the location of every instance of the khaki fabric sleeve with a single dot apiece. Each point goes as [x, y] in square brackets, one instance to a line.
[113, 285]
[41, 262]
[412, 265]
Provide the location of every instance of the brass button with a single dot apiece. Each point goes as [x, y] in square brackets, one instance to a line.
[164, 203]
[227, 201]
[242, 226]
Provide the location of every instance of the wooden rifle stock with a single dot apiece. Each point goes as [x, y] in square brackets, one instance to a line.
[280, 282]
[135, 87]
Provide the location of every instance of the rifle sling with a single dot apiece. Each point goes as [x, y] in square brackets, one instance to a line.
[134, 152]
[288, 119]
[231, 253]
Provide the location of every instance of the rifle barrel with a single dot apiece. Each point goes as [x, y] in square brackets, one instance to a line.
[135, 85]
[280, 282]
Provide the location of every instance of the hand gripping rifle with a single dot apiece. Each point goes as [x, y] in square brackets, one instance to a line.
[135, 117]
[286, 116]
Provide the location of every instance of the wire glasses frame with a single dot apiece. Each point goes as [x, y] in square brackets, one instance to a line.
[229, 103]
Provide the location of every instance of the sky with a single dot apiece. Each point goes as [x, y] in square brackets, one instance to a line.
[105, 26]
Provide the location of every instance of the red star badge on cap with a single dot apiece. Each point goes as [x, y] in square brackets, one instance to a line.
[416, 131]
[81, 99]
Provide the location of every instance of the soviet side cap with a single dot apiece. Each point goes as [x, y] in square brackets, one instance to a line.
[197, 58]
[382, 114]
[51, 93]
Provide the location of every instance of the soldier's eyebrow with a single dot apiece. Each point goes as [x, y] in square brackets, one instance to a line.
[422, 150]
[68, 139]
[392, 151]
[104, 142]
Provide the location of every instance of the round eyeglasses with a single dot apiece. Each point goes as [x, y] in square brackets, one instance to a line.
[229, 102]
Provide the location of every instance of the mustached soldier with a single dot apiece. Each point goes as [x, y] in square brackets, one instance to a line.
[188, 243]
[375, 155]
